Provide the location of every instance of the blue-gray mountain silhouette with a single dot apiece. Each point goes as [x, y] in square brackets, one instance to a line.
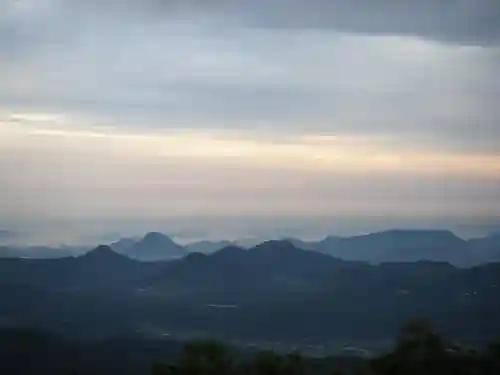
[399, 245]
[155, 246]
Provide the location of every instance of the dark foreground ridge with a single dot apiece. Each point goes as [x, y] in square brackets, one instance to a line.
[418, 350]
[272, 292]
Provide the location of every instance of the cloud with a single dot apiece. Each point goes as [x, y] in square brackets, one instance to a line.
[458, 21]
[197, 76]
[124, 108]
[57, 173]
[351, 154]
[213, 64]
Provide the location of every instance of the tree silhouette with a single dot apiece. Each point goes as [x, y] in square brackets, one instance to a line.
[293, 364]
[418, 351]
[268, 363]
[205, 358]
[163, 369]
[417, 340]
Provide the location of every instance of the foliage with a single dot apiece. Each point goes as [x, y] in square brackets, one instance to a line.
[418, 350]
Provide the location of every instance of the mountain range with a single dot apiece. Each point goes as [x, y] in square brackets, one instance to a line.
[386, 246]
[273, 291]
[391, 245]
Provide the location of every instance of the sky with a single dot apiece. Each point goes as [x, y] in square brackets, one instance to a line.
[124, 115]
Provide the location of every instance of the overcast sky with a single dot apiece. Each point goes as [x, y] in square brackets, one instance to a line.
[158, 109]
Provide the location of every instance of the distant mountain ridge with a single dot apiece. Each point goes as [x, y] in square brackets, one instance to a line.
[394, 245]
[405, 245]
[41, 252]
[397, 245]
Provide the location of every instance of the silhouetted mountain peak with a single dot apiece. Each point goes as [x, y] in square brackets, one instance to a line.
[102, 249]
[328, 241]
[275, 248]
[195, 257]
[103, 253]
[230, 252]
[156, 238]
[155, 246]
[301, 244]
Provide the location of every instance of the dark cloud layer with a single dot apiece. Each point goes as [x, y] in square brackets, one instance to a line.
[460, 21]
